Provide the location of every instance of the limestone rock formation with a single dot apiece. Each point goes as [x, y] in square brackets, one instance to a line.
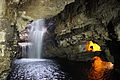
[27, 10]
[82, 21]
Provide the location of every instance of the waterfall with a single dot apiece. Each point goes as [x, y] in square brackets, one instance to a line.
[24, 50]
[36, 33]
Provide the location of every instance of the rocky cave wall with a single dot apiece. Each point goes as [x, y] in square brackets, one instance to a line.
[82, 21]
[75, 23]
[14, 17]
[7, 41]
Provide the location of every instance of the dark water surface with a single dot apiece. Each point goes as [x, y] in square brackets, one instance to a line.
[45, 69]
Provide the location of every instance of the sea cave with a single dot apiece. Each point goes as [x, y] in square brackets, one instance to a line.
[60, 40]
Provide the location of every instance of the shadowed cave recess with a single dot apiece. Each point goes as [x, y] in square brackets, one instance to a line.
[47, 40]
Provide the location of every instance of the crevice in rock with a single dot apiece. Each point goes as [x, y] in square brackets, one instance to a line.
[13, 43]
[111, 31]
[74, 32]
[114, 44]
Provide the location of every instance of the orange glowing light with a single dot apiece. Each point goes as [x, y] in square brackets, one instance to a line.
[99, 68]
[92, 47]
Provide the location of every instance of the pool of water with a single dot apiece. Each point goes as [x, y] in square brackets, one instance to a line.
[53, 69]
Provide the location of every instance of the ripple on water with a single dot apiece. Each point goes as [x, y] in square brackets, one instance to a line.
[36, 69]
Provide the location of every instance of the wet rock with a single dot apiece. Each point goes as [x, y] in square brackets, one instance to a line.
[43, 8]
[23, 11]
[118, 31]
[4, 59]
[82, 21]
[2, 8]
[100, 69]
[7, 46]
[2, 34]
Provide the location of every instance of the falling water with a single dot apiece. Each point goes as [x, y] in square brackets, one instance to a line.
[36, 33]
[24, 50]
